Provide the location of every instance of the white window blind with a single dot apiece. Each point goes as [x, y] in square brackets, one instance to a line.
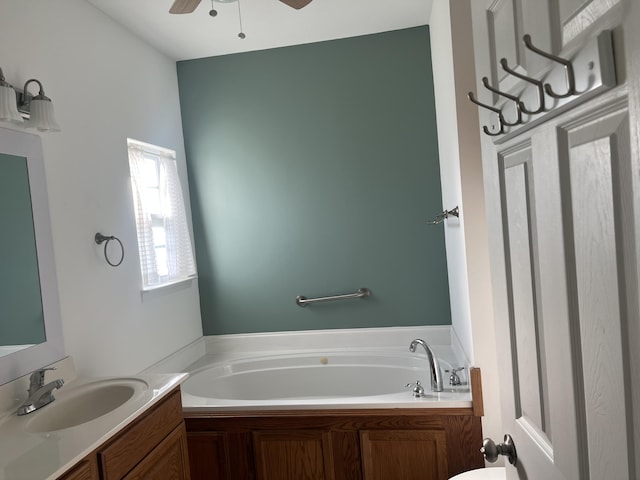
[164, 240]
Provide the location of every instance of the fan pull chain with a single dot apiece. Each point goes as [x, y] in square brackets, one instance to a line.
[241, 35]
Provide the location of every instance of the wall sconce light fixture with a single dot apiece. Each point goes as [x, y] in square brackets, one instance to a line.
[16, 105]
[8, 103]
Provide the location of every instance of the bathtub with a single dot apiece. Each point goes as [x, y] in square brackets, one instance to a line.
[323, 400]
[322, 379]
[334, 370]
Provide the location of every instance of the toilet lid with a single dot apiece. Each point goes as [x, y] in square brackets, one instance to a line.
[496, 473]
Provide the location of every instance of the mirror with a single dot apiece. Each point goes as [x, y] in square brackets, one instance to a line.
[30, 324]
[23, 322]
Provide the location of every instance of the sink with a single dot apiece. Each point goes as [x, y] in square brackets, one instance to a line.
[82, 403]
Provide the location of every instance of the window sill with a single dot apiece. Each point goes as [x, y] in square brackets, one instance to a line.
[169, 287]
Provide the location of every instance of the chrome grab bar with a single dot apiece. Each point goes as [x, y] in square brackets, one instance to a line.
[361, 293]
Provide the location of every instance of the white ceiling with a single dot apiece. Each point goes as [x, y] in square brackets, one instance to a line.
[266, 23]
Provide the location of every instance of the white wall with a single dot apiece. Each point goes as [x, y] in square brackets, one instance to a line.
[462, 184]
[106, 85]
[449, 153]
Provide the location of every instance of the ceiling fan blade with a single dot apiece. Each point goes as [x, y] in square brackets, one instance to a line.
[297, 4]
[184, 6]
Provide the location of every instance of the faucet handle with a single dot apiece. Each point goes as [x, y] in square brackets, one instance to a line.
[454, 379]
[36, 380]
[418, 390]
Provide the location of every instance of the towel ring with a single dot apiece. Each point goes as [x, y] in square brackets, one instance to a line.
[99, 238]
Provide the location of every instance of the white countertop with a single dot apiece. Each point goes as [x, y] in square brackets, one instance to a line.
[35, 456]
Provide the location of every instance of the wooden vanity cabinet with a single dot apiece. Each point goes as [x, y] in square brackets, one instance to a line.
[425, 444]
[153, 447]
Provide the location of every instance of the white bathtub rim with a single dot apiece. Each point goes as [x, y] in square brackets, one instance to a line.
[386, 357]
[193, 403]
[358, 357]
[240, 345]
[351, 338]
[412, 367]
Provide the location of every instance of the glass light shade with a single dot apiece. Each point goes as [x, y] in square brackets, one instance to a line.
[8, 107]
[42, 116]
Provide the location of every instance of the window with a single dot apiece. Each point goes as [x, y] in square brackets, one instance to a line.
[164, 241]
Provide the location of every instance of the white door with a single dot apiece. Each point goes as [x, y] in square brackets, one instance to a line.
[563, 206]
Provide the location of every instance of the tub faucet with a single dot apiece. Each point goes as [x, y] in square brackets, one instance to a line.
[39, 393]
[434, 366]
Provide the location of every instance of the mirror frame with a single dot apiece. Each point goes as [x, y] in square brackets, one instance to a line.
[22, 362]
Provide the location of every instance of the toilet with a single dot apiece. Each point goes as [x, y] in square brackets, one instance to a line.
[496, 473]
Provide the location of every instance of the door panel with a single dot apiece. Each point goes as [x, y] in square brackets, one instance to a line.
[580, 16]
[503, 31]
[529, 377]
[506, 22]
[536, 335]
[596, 153]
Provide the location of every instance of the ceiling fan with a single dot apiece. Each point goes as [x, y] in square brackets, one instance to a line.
[188, 6]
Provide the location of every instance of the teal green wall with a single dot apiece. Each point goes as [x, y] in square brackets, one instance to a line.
[21, 317]
[313, 170]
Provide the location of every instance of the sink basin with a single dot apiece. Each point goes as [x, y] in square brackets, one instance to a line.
[83, 403]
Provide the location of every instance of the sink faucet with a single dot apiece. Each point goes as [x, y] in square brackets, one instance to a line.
[434, 365]
[39, 393]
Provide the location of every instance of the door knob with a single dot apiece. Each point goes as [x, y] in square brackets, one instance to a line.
[491, 451]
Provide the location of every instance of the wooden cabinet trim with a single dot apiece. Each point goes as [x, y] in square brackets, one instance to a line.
[464, 439]
[476, 392]
[319, 422]
[332, 413]
[86, 469]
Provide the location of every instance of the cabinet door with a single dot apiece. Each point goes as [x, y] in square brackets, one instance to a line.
[207, 456]
[406, 454]
[86, 469]
[293, 455]
[129, 447]
[168, 461]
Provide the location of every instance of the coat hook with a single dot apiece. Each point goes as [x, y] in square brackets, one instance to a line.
[513, 98]
[441, 217]
[497, 111]
[571, 79]
[537, 83]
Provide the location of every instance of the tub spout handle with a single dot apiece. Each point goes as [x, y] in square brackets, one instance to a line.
[418, 390]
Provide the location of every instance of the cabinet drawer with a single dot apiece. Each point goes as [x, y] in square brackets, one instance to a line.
[168, 461]
[136, 441]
